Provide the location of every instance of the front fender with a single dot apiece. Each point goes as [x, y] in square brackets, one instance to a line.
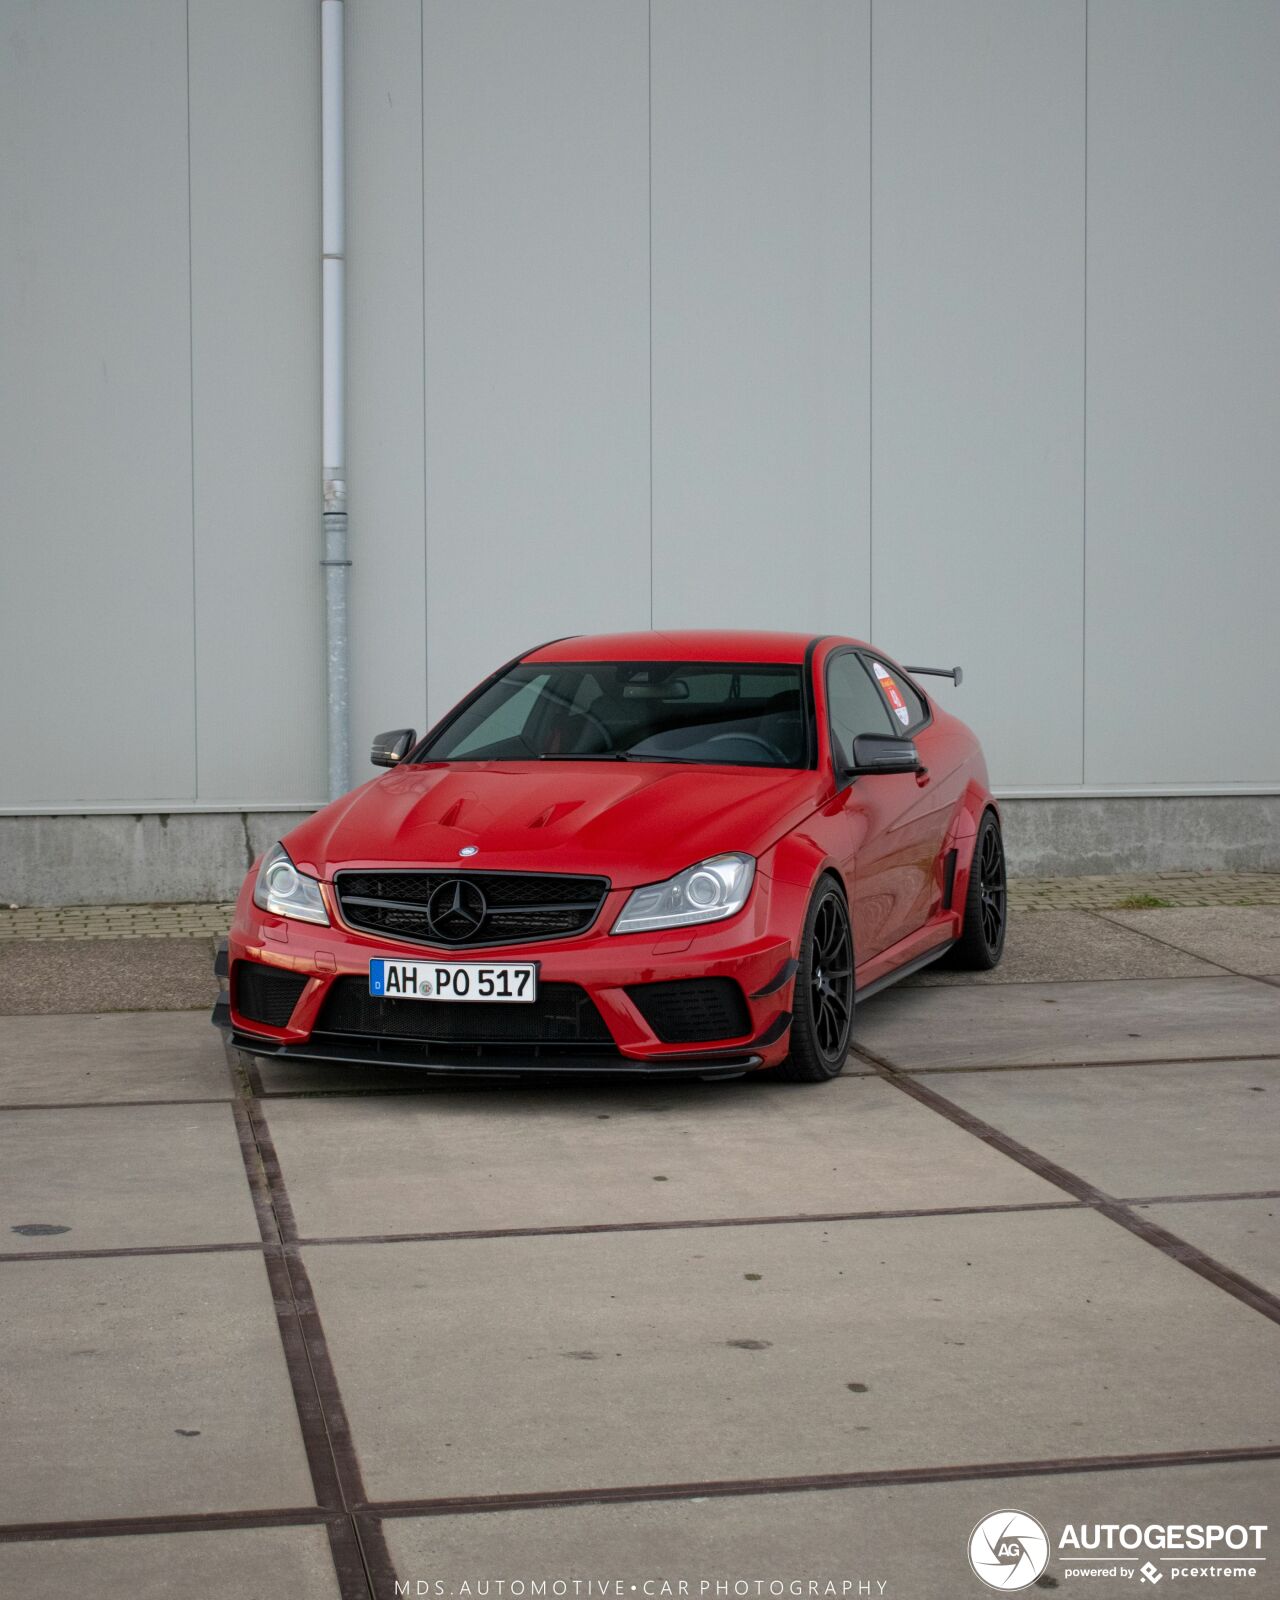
[794, 865]
[962, 835]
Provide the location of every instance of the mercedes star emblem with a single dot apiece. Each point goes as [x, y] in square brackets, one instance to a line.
[456, 910]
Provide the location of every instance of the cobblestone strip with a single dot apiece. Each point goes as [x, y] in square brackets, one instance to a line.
[114, 922]
[1133, 890]
[1137, 890]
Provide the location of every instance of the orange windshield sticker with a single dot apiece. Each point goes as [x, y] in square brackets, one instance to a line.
[892, 693]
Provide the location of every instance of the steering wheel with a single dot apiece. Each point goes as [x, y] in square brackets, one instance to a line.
[754, 738]
[588, 716]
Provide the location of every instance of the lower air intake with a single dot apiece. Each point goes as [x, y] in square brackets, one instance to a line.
[265, 994]
[563, 1014]
[692, 1010]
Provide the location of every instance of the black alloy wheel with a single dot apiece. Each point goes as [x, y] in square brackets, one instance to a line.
[823, 1016]
[991, 888]
[986, 905]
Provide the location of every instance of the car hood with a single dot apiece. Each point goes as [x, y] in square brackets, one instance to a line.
[631, 822]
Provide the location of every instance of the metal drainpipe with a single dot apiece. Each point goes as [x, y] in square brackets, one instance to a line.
[333, 228]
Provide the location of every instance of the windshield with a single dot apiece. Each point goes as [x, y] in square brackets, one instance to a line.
[713, 713]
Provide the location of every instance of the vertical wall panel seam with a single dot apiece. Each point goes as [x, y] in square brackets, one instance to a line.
[191, 417]
[422, 202]
[1084, 438]
[871, 319]
[650, 68]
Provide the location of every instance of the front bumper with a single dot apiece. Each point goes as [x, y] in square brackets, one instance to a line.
[545, 1060]
[751, 949]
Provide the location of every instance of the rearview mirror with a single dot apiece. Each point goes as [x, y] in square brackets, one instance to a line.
[390, 749]
[877, 753]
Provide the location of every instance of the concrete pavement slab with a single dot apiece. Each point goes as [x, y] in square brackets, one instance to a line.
[232, 1564]
[1242, 1234]
[502, 1365]
[914, 1538]
[1041, 1023]
[1182, 1128]
[39, 976]
[162, 1055]
[1241, 938]
[122, 1176]
[423, 1164]
[1060, 946]
[145, 1386]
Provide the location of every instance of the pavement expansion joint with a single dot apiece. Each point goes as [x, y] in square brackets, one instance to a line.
[464, 1505]
[1188, 1255]
[362, 1561]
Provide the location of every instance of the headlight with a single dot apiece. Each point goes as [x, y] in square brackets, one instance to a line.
[281, 888]
[707, 892]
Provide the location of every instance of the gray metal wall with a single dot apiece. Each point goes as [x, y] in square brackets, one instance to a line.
[953, 322]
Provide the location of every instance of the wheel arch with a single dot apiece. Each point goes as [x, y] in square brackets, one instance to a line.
[962, 836]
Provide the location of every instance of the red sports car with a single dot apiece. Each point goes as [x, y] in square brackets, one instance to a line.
[664, 853]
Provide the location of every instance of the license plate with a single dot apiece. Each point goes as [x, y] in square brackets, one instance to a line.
[512, 981]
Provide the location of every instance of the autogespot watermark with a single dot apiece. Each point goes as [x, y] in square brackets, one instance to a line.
[1009, 1550]
[644, 1588]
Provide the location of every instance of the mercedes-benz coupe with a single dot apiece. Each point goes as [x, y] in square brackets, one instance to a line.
[658, 853]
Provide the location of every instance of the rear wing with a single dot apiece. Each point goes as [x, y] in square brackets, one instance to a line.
[956, 674]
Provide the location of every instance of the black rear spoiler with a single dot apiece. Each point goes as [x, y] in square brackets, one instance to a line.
[956, 674]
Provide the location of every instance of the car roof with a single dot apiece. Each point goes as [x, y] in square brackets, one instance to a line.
[693, 644]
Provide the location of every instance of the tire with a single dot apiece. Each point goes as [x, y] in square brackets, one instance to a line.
[986, 904]
[823, 1005]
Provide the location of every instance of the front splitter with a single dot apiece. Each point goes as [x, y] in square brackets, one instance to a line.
[367, 1052]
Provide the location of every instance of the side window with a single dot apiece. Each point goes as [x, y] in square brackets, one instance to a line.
[854, 706]
[909, 710]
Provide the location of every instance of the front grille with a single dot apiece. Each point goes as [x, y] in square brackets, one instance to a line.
[563, 1014]
[462, 910]
[692, 1010]
[266, 994]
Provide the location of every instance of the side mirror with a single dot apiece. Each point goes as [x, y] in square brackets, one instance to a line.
[877, 752]
[390, 749]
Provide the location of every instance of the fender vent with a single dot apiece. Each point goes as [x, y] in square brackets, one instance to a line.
[949, 878]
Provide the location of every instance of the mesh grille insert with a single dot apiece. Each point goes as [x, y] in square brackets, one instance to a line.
[266, 994]
[461, 910]
[563, 1013]
[692, 1010]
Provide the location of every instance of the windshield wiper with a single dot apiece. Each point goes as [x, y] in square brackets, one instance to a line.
[631, 755]
[686, 761]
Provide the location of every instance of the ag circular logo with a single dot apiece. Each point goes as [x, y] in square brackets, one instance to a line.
[1008, 1550]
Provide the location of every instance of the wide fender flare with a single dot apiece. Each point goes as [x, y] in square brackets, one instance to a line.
[962, 835]
[793, 867]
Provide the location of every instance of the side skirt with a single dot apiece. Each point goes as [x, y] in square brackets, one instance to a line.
[925, 960]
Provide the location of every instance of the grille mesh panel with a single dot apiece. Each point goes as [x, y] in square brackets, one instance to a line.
[692, 1010]
[517, 906]
[563, 1013]
[266, 994]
